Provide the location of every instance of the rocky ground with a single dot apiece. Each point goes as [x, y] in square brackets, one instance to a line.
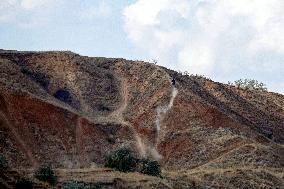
[71, 110]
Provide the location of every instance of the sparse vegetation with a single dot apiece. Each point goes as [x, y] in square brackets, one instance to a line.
[24, 184]
[150, 167]
[3, 162]
[46, 174]
[186, 73]
[249, 84]
[201, 77]
[155, 61]
[122, 159]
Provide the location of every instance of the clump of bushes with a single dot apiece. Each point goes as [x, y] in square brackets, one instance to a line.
[3, 162]
[123, 159]
[46, 174]
[249, 84]
[24, 183]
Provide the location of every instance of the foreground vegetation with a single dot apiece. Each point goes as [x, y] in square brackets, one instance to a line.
[123, 159]
[46, 174]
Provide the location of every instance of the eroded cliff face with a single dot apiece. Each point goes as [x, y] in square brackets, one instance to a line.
[71, 110]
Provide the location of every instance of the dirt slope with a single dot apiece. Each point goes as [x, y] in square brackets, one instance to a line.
[70, 110]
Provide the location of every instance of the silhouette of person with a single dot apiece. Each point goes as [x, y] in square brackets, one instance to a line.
[173, 82]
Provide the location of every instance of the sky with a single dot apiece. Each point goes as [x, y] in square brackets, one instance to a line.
[224, 40]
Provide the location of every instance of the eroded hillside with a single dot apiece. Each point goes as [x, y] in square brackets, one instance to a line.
[70, 110]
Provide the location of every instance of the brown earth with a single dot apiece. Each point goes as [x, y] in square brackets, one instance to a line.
[71, 110]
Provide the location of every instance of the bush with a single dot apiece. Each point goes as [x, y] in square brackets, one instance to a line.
[24, 183]
[80, 185]
[3, 162]
[46, 174]
[250, 84]
[63, 95]
[150, 167]
[122, 159]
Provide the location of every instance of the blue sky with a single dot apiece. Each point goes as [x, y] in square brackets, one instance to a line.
[222, 39]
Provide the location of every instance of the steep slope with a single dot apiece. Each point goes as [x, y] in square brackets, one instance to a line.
[70, 110]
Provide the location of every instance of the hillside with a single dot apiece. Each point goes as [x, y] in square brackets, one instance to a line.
[71, 110]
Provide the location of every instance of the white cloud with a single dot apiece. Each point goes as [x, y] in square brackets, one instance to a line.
[227, 37]
[198, 56]
[6, 5]
[38, 13]
[145, 14]
[24, 13]
[101, 10]
[32, 4]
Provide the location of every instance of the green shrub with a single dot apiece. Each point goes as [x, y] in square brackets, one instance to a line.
[3, 162]
[73, 185]
[80, 185]
[96, 186]
[122, 159]
[46, 174]
[150, 167]
[24, 184]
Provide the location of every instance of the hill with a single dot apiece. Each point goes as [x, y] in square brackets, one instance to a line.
[71, 110]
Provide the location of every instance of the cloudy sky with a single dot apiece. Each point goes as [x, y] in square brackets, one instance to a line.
[222, 39]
